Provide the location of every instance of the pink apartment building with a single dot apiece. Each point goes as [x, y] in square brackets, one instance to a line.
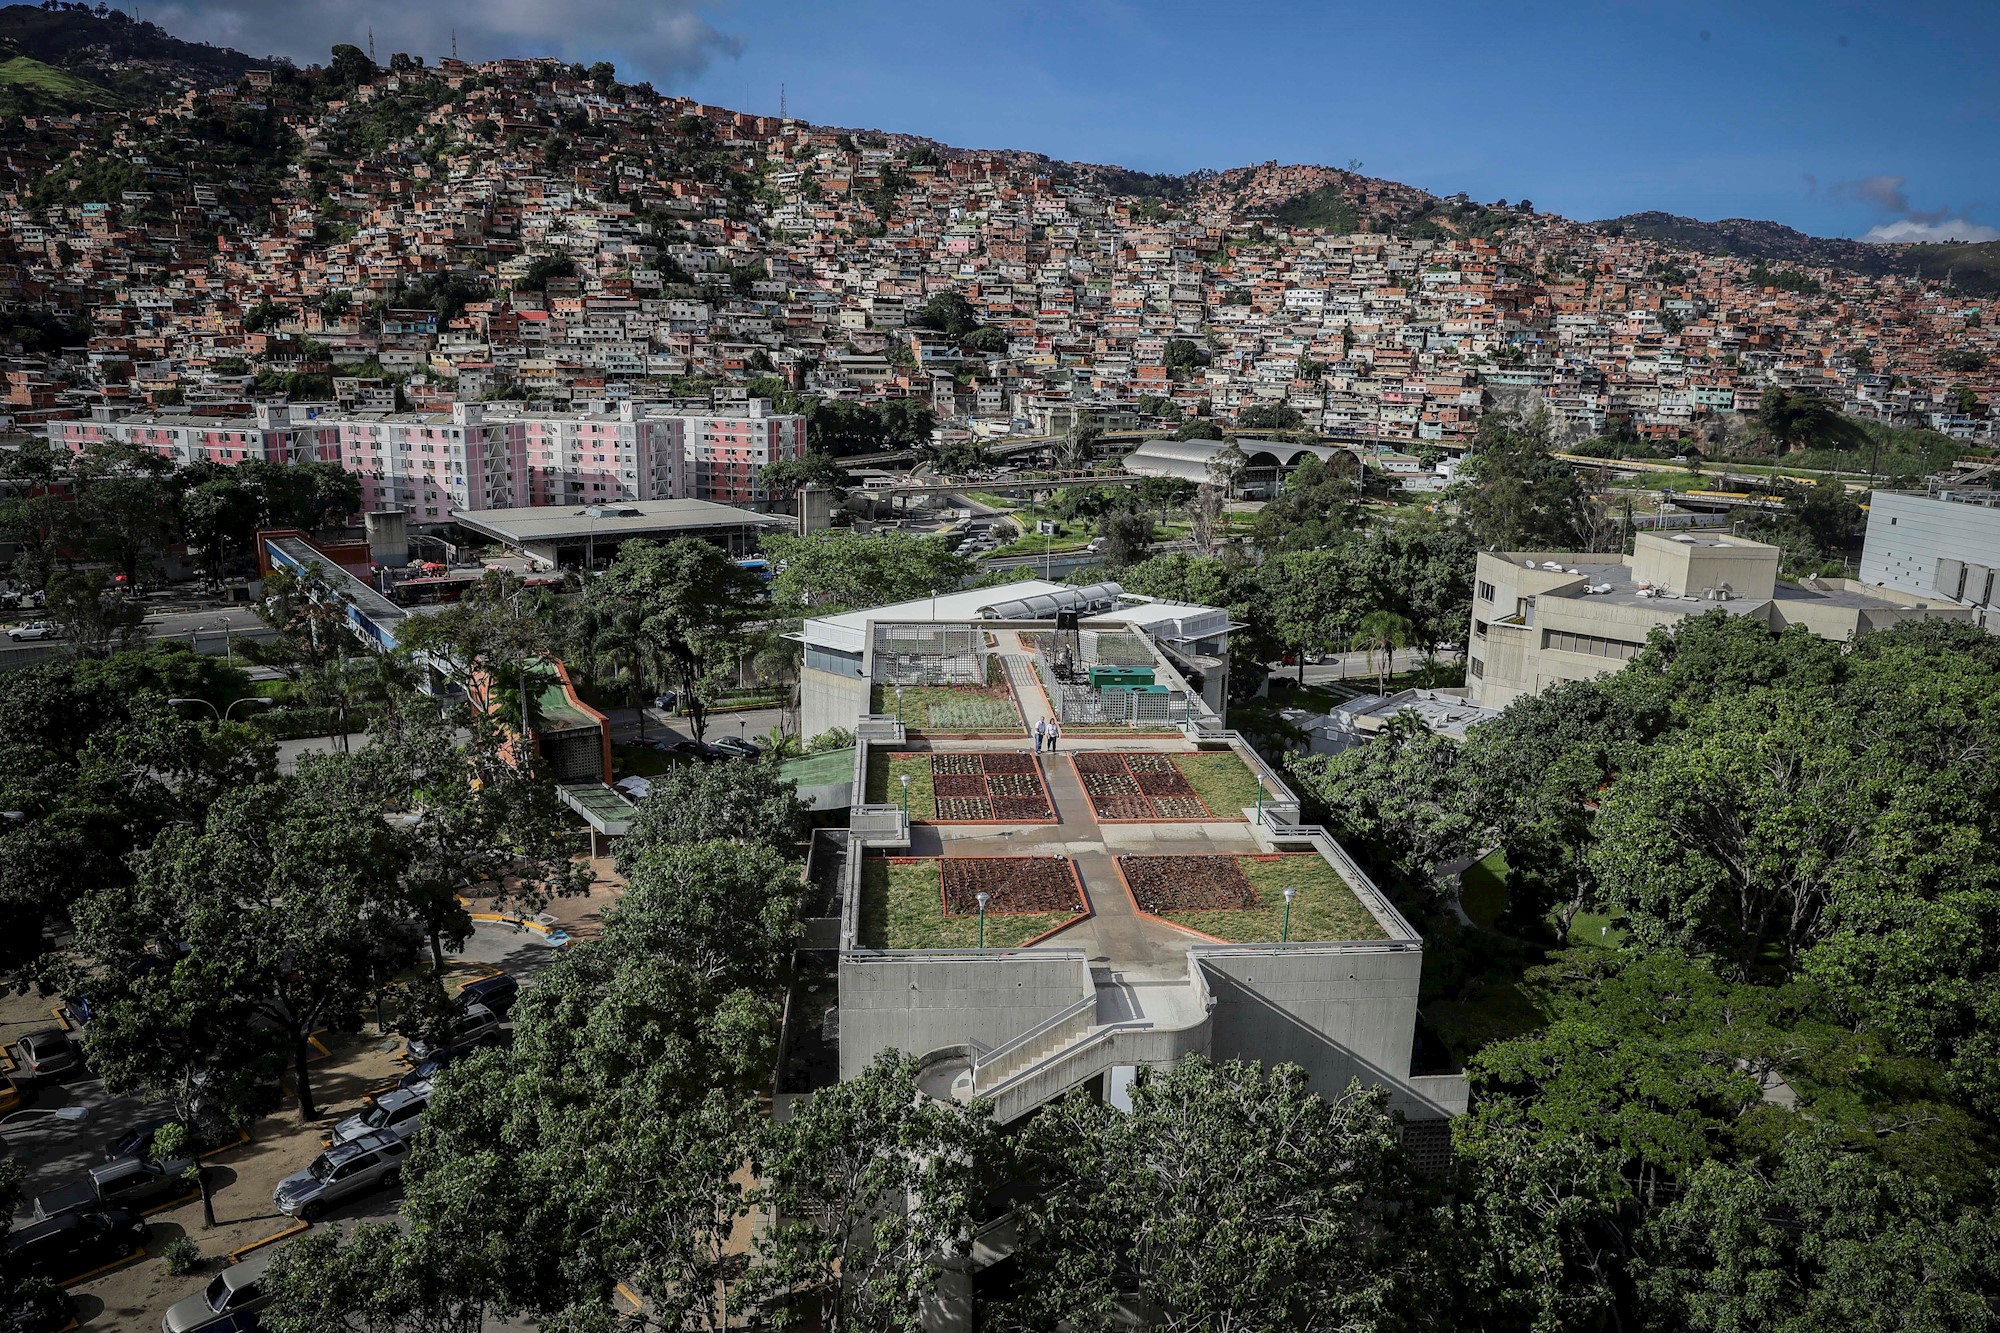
[432, 465]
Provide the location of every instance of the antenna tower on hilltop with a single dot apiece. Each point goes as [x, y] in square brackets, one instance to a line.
[781, 102]
[371, 43]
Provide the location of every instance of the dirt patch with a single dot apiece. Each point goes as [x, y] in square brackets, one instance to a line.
[1163, 884]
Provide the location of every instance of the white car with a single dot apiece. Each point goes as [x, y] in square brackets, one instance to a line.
[634, 789]
[33, 629]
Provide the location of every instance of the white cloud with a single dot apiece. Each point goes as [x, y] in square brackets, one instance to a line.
[1905, 230]
[665, 41]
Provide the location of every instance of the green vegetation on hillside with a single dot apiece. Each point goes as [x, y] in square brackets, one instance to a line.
[1328, 207]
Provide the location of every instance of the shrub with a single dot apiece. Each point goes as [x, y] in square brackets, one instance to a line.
[182, 1256]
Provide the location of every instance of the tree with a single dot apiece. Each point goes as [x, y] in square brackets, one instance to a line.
[1310, 597]
[697, 803]
[1184, 354]
[1381, 632]
[874, 1185]
[1128, 537]
[949, 313]
[92, 619]
[291, 900]
[786, 477]
[1270, 416]
[1400, 800]
[474, 818]
[1231, 1196]
[179, 1032]
[1515, 496]
[1163, 494]
[728, 912]
[839, 569]
[1315, 507]
[696, 604]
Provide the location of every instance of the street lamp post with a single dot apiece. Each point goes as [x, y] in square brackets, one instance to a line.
[906, 799]
[222, 714]
[1260, 800]
[1285, 935]
[983, 900]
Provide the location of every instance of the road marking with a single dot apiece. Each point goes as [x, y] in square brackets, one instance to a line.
[236, 1255]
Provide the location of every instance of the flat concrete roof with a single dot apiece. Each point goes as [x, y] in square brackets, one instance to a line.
[624, 518]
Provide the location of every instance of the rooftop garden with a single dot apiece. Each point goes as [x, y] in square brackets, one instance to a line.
[932, 903]
[1241, 899]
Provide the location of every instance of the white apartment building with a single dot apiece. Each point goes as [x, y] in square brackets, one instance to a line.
[487, 456]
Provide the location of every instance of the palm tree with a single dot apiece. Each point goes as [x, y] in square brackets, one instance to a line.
[1383, 632]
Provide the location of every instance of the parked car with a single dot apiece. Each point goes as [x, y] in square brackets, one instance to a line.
[67, 1246]
[475, 1027]
[399, 1112]
[497, 992]
[33, 629]
[344, 1171]
[49, 1053]
[739, 748]
[667, 702]
[230, 1301]
[129, 1182]
[428, 1069]
[699, 751]
[138, 1140]
[633, 789]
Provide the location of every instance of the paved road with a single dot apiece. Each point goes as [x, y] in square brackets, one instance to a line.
[215, 632]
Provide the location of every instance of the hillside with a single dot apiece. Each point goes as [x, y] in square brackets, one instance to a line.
[92, 58]
[1974, 268]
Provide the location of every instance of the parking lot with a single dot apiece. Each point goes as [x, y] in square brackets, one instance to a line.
[57, 1151]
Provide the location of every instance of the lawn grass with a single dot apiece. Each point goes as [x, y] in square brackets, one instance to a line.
[1226, 785]
[984, 711]
[885, 787]
[1323, 909]
[1594, 930]
[1482, 890]
[1490, 1013]
[902, 907]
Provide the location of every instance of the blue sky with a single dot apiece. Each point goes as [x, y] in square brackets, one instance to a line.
[1839, 118]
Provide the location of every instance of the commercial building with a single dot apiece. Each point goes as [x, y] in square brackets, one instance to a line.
[559, 537]
[1543, 617]
[434, 465]
[1945, 545]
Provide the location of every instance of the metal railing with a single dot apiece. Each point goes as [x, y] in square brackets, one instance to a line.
[1085, 1007]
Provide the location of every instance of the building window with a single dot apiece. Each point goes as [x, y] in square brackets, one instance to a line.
[1590, 645]
[1476, 667]
[1485, 592]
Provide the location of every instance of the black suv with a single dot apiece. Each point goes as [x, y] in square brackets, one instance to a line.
[67, 1246]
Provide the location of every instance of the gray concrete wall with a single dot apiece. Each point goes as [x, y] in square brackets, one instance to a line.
[920, 1002]
[1338, 1015]
[1909, 534]
[827, 701]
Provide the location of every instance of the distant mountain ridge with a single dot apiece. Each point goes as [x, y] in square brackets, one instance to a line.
[1973, 266]
[106, 58]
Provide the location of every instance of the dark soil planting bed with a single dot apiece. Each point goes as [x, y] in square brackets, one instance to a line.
[1140, 787]
[1241, 899]
[1013, 884]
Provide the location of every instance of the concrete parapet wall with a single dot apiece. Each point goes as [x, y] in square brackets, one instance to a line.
[919, 1002]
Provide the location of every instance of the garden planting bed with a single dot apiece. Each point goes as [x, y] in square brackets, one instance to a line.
[1144, 787]
[932, 903]
[951, 710]
[950, 787]
[1241, 899]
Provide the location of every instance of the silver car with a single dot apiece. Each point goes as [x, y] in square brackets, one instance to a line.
[233, 1294]
[399, 1112]
[342, 1172]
